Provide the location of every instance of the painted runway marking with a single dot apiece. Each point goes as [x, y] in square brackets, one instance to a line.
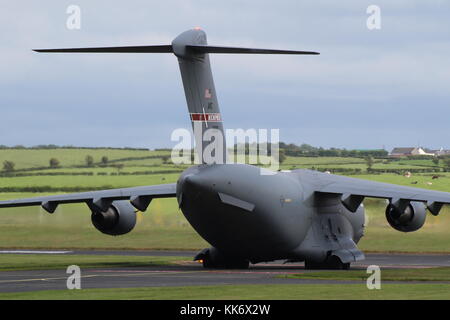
[139, 271]
[253, 272]
[93, 276]
[198, 271]
[33, 252]
[411, 266]
[41, 279]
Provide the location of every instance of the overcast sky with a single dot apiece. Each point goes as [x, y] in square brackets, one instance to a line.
[367, 89]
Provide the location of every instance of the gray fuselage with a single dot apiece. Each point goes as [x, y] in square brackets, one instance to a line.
[251, 213]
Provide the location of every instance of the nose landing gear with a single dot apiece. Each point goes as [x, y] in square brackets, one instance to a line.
[211, 258]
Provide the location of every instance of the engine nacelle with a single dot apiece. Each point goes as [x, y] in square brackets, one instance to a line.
[120, 218]
[411, 219]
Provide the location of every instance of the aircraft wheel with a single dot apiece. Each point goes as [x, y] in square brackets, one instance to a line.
[333, 263]
[237, 264]
[207, 263]
[309, 265]
[212, 259]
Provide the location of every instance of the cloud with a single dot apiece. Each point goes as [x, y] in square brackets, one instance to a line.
[362, 79]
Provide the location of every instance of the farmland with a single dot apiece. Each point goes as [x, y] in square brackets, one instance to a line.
[163, 225]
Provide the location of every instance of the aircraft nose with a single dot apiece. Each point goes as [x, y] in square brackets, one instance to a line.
[189, 182]
[191, 187]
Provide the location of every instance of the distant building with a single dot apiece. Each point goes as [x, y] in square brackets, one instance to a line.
[404, 152]
[443, 152]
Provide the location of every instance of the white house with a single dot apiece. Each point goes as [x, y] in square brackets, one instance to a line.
[411, 151]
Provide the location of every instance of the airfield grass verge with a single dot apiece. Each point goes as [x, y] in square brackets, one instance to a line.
[14, 262]
[247, 292]
[422, 274]
[16, 237]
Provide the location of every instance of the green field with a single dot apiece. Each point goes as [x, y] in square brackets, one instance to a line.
[36, 158]
[250, 292]
[422, 274]
[96, 181]
[163, 226]
[9, 262]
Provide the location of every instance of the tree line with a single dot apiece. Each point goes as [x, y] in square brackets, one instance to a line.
[54, 146]
[54, 163]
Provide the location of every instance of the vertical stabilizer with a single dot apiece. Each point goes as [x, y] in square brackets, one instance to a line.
[192, 52]
[201, 96]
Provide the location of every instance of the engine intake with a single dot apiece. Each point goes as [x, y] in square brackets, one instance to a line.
[120, 218]
[411, 219]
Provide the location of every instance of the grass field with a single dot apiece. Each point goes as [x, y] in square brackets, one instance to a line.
[89, 181]
[250, 292]
[30, 158]
[163, 225]
[427, 274]
[10, 262]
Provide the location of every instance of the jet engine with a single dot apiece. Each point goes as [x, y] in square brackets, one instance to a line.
[120, 218]
[411, 219]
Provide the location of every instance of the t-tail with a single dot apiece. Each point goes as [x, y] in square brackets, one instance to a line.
[192, 51]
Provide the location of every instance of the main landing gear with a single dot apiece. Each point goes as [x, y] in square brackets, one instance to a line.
[332, 263]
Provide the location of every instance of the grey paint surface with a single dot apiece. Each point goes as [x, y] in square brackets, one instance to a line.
[199, 88]
[242, 213]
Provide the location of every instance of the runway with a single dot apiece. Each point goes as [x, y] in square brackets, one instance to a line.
[189, 273]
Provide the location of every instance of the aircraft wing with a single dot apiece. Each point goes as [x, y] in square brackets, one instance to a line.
[354, 191]
[140, 197]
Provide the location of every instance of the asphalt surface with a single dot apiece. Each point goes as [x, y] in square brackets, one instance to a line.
[189, 273]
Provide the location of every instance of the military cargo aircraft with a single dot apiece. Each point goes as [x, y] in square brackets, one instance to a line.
[248, 216]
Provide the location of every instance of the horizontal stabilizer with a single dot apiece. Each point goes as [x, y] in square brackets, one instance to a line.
[129, 49]
[168, 49]
[215, 49]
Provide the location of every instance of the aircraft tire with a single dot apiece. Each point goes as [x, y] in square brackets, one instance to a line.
[333, 263]
[208, 263]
